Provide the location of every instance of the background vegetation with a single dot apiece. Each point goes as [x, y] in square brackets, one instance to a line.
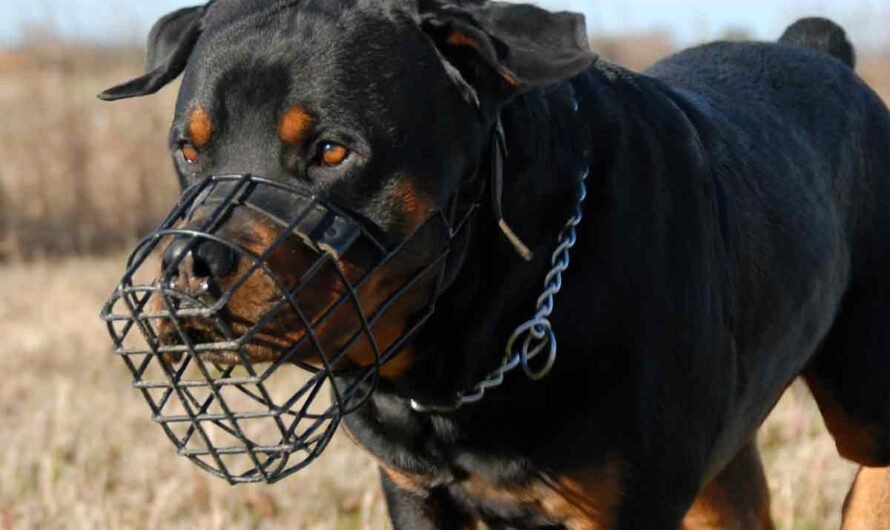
[79, 182]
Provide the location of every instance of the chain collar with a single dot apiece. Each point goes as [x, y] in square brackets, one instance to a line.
[535, 337]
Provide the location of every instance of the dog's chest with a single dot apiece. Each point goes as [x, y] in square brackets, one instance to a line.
[582, 500]
[423, 455]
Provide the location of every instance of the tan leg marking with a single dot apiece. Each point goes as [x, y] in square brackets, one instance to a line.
[855, 441]
[868, 504]
[738, 499]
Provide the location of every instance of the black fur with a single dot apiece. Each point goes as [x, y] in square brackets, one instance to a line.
[821, 34]
[169, 45]
[736, 236]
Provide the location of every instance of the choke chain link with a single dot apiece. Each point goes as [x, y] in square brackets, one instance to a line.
[534, 337]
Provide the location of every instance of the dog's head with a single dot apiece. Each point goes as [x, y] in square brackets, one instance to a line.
[384, 109]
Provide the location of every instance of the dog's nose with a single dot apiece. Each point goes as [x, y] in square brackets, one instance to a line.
[201, 260]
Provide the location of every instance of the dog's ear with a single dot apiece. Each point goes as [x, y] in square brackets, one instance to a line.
[495, 50]
[170, 43]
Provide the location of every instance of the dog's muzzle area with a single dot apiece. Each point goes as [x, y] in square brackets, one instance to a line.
[253, 296]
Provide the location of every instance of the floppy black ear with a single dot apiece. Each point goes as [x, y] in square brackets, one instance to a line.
[506, 48]
[170, 43]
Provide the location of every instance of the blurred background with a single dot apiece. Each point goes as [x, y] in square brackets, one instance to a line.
[80, 181]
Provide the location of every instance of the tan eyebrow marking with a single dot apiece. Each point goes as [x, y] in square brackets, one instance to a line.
[200, 127]
[296, 125]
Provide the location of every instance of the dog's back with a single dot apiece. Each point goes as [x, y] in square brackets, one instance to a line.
[790, 110]
[800, 147]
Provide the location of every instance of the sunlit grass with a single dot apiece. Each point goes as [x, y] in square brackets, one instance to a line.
[78, 450]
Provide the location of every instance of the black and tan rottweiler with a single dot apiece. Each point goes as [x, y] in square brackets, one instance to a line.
[736, 235]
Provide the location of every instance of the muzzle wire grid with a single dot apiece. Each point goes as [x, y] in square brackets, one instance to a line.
[239, 419]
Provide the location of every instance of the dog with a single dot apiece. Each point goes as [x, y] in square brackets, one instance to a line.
[733, 235]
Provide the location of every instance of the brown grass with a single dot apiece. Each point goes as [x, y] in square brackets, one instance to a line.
[875, 71]
[78, 450]
[78, 176]
[634, 50]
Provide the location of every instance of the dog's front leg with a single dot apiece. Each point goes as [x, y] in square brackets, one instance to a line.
[422, 509]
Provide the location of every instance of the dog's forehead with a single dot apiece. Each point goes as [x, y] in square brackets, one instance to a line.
[275, 16]
[223, 12]
[319, 47]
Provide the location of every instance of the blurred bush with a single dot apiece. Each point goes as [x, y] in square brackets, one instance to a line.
[78, 176]
[634, 50]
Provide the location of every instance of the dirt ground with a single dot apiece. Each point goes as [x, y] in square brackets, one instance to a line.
[78, 450]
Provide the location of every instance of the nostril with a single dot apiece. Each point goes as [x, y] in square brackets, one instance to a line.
[200, 268]
[213, 260]
[174, 255]
[186, 260]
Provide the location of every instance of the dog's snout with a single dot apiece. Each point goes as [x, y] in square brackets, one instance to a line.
[202, 260]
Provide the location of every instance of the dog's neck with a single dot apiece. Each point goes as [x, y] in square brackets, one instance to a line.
[652, 227]
[639, 142]
[549, 145]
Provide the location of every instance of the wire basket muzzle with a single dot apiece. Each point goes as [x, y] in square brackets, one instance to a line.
[256, 316]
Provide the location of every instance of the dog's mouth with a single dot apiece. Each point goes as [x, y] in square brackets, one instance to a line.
[214, 340]
[174, 343]
[211, 346]
[321, 329]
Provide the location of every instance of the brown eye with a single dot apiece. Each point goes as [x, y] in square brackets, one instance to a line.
[333, 154]
[189, 153]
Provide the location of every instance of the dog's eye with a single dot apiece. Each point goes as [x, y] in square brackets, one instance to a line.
[332, 154]
[189, 153]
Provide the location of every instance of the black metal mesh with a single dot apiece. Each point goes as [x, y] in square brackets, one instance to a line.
[248, 421]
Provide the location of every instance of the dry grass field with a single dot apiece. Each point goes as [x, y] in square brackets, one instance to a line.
[77, 448]
[79, 452]
[78, 175]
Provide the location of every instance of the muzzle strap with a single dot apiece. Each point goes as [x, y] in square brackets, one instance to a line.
[498, 153]
[318, 226]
